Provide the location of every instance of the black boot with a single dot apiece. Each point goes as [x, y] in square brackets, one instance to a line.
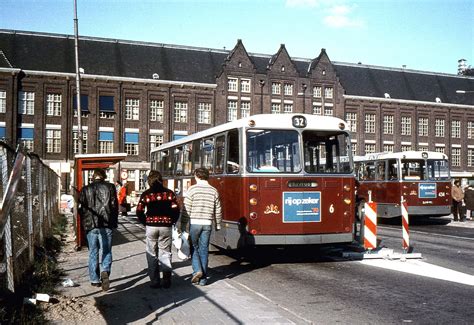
[166, 282]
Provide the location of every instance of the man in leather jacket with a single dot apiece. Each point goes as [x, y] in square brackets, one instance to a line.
[99, 216]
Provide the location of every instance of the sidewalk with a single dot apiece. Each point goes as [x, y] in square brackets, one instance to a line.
[130, 300]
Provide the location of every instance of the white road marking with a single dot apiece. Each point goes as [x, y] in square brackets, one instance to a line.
[422, 269]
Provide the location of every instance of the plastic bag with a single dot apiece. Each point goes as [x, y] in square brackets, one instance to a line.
[181, 243]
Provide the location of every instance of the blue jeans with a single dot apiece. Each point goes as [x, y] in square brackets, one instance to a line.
[99, 241]
[200, 235]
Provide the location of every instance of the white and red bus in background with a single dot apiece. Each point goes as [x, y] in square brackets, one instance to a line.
[421, 177]
[283, 179]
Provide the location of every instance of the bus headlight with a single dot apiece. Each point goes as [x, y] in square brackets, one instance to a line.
[253, 188]
[253, 201]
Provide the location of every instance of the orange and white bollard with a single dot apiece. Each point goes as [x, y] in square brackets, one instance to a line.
[405, 231]
[370, 225]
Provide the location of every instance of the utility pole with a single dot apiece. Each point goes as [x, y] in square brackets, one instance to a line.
[78, 81]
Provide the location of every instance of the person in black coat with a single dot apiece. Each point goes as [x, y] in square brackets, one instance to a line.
[158, 210]
[98, 209]
[469, 201]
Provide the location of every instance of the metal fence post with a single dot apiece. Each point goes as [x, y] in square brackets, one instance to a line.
[29, 202]
[41, 195]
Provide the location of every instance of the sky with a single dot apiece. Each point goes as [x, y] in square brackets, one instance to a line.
[427, 35]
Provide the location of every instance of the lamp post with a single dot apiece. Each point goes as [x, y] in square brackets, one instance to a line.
[78, 81]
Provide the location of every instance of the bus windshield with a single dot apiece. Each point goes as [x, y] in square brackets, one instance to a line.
[326, 153]
[273, 151]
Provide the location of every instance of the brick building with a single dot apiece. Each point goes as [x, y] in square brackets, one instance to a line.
[136, 95]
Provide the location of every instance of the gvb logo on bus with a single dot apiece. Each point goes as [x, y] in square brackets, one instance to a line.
[301, 206]
[427, 190]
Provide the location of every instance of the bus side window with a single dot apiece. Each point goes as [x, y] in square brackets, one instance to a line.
[233, 161]
[380, 170]
[196, 154]
[369, 172]
[187, 157]
[208, 154]
[220, 154]
[178, 161]
[392, 170]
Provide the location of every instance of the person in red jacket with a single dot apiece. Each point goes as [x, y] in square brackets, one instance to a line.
[158, 210]
[122, 197]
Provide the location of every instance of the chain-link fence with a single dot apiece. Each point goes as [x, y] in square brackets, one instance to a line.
[29, 194]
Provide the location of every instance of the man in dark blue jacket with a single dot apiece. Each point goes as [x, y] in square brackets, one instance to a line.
[99, 216]
[158, 210]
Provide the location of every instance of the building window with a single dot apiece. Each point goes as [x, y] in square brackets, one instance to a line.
[406, 147]
[456, 129]
[387, 147]
[288, 89]
[369, 123]
[328, 111]
[132, 108]
[156, 140]
[204, 113]
[317, 109]
[232, 84]
[106, 107]
[53, 141]
[27, 103]
[288, 108]
[406, 125]
[470, 157]
[317, 91]
[84, 105]
[53, 104]
[276, 108]
[351, 118]
[328, 92]
[231, 110]
[276, 88]
[369, 148]
[3, 101]
[26, 138]
[244, 109]
[354, 149]
[75, 142]
[439, 128]
[245, 85]
[156, 110]
[456, 157]
[142, 181]
[106, 142]
[439, 149]
[181, 112]
[470, 130]
[131, 143]
[388, 124]
[423, 126]
[422, 148]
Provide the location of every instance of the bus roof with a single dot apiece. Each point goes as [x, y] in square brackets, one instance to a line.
[402, 155]
[273, 121]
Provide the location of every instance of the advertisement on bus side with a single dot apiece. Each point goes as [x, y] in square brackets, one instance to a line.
[301, 206]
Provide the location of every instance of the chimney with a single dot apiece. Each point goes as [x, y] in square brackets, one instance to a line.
[462, 66]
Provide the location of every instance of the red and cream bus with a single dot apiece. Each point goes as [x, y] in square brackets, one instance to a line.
[422, 178]
[283, 179]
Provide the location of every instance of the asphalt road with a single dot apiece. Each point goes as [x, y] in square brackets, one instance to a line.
[317, 285]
